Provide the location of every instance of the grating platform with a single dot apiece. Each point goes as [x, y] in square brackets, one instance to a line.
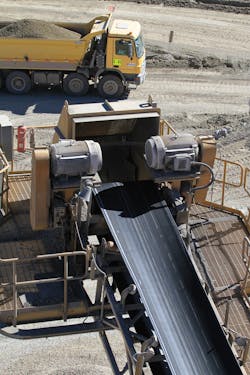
[17, 240]
[219, 242]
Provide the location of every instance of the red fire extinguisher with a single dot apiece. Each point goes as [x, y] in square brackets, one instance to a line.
[21, 139]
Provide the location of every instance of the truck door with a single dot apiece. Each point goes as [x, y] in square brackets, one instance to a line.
[123, 57]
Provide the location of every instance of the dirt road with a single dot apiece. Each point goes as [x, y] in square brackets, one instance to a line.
[212, 95]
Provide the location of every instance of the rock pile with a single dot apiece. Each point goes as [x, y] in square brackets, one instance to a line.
[28, 28]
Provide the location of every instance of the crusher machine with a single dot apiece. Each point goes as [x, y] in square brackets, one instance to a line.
[101, 229]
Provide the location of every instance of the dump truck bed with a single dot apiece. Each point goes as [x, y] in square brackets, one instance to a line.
[41, 53]
[50, 53]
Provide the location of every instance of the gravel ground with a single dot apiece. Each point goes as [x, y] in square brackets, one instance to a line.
[235, 6]
[66, 355]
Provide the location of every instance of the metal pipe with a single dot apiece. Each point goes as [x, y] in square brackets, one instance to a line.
[43, 256]
[227, 313]
[43, 281]
[117, 310]
[245, 353]
[129, 362]
[139, 364]
[246, 249]
[223, 184]
[65, 288]
[109, 353]
[246, 175]
[225, 164]
[109, 324]
[103, 284]
[102, 298]
[14, 278]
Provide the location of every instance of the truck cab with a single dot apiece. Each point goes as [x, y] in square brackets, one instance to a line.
[125, 52]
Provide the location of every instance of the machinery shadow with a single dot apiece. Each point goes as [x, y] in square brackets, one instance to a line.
[43, 100]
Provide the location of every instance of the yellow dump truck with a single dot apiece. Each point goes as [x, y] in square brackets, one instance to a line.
[109, 55]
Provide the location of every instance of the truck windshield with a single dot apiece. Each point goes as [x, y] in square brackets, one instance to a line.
[139, 46]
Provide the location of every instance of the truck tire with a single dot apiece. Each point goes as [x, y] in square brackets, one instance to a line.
[18, 82]
[75, 84]
[111, 86]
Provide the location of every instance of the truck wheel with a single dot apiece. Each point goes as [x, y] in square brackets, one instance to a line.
[110, 86]
[75, 84]
[18, 82]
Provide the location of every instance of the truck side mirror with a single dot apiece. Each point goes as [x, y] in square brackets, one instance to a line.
[130, 50]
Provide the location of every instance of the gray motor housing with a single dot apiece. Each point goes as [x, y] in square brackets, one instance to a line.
[171, 152]
[75, 158]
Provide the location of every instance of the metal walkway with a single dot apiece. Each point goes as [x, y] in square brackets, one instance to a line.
[181, 314]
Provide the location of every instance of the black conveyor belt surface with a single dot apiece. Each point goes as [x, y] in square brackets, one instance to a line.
[148, 239]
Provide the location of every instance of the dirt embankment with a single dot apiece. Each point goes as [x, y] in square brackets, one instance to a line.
[175, 51]
[160, 58]
[235, 6]
[234, 128]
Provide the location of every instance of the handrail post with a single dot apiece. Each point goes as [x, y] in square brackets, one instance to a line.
[14, 288]
[246, 260]
[224, 183]
[245, 353]
[245, 180]
[246, 249]
[227, 313]
[65, 287]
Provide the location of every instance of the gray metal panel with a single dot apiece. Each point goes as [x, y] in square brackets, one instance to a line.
[185, 323]
[115, 117]
[119, 106]
[6, 136]
[1, 185]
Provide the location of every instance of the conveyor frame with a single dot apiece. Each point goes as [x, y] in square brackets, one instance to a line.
[132, 209]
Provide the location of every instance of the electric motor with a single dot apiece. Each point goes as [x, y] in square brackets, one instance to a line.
[75, 158]
[171, 152]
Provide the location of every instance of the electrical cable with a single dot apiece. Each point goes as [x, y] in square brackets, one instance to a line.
[212, 179]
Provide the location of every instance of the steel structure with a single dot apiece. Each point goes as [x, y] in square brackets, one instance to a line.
[184, 322]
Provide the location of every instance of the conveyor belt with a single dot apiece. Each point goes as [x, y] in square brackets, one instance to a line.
[184, 321]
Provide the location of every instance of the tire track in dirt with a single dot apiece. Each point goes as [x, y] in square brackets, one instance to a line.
[177, 92]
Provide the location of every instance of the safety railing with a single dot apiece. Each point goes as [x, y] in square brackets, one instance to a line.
[15, 284]
[226, 178]
[166, 128]
[245, 284]
[230, 176]
[4, 187]
[240, 344]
